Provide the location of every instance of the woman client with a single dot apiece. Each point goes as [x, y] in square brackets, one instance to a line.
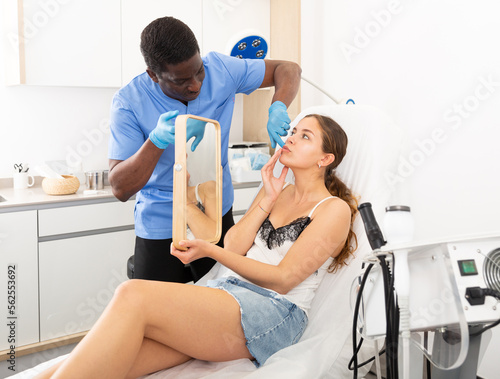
[278, 253]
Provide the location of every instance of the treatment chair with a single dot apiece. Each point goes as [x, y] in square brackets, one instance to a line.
[325, 348]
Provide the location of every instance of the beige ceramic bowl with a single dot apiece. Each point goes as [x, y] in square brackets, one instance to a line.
[66, 186]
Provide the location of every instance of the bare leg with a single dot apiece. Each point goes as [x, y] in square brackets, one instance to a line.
[155, 356]
[50, 371]
[190, 321]
[152, 357]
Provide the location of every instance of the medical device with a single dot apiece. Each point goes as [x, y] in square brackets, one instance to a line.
[249, 44]
[453, 294]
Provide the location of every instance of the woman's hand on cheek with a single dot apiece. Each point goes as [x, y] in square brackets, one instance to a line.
[272, 185]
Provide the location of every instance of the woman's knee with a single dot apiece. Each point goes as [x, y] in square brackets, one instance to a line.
[131, 292]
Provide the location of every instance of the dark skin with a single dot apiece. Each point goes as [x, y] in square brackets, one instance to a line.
[183, 82]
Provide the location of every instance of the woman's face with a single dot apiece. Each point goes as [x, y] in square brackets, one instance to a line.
[304, 147]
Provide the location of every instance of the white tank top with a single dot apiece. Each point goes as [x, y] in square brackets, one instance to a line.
[271, 245]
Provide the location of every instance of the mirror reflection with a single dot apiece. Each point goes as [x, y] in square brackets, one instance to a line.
[197, 204]
[201, 202]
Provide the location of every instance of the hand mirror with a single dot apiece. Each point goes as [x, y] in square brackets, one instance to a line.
[197, 201]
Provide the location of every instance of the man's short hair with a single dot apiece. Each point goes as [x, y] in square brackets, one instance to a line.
[165, 41]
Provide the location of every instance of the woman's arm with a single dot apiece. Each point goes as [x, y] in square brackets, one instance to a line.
[240, 237]
[323, 238]
[203, 224]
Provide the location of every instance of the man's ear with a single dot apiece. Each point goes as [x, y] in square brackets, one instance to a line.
[152, 75]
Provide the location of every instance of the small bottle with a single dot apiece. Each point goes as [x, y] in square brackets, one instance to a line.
[398, 224]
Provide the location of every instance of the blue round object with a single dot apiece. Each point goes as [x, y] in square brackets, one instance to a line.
[252, 47]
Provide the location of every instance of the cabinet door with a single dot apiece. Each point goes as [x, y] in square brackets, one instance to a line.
[19, 293]
[243, 198]
[78, 277]
[69, 43]
[137, 14]
[83, 218]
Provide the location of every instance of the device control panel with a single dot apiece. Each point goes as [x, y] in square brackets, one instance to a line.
[476, 266]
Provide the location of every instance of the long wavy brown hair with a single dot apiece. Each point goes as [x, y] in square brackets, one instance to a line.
[335, 142]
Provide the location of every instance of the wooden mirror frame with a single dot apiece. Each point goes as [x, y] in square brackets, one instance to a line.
[179, 221]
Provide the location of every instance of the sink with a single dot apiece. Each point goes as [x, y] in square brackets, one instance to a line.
[2, 199]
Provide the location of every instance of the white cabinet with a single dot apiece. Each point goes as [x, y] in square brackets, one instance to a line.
[18, 251]
[137, 14]
[83, 252]
[86, 218]
[63, 43]
[65, 264]
[243, 198]
[94, 43]
[78, 277]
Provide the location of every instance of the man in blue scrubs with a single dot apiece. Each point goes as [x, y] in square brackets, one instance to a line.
[141, 147]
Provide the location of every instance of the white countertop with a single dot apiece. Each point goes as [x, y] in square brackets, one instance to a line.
[35, 196]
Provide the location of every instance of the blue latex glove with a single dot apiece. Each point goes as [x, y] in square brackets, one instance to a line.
[278, 123]
[195, 128]
[164, 133]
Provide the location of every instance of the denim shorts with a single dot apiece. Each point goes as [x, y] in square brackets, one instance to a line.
[269, 320]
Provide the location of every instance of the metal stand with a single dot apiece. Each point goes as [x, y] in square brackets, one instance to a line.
[468, 369]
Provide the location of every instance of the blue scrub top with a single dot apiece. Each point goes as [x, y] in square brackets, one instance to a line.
[134, 114]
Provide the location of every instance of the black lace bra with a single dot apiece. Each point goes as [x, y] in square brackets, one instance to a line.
[273, 237]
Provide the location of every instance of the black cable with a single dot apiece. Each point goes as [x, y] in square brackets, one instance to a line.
[376, 240]
[394, 321]
[389, 326]
[495, 294]
[481, 331]
[371, 359]
[395, 334]
[392, 330]
[388, 337]
[491, 292]
[353, 365]
[392, 324]
[388, 334]
[354, 359]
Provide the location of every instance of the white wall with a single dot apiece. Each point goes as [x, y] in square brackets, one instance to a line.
[39, 124]
[421, 62]
[429, 58]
